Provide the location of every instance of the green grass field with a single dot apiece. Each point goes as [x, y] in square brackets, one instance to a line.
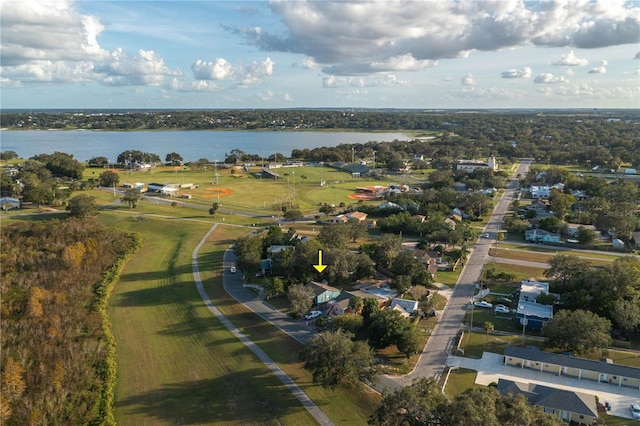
[178, 364]
[459, 380]
[298, 187]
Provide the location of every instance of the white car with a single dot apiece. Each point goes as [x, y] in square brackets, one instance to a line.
[501, 309]
[232, 269]
[635, 411]
[483, 304]
[312, 315]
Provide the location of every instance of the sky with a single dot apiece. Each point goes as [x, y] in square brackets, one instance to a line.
[319, 54]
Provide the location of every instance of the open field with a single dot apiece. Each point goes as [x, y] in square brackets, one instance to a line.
[519, 272]
[235, 188]
[474, 344]
[178, 364]
[537, 254]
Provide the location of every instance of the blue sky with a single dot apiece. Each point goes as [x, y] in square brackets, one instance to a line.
[290, 54]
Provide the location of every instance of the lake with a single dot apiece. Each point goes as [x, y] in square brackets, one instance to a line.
[192, 145]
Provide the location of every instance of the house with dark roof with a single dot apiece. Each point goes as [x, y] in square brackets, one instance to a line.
[565, 365]
[269, 174]
[576, 407]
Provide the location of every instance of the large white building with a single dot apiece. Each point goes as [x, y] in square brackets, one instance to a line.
[471, 165]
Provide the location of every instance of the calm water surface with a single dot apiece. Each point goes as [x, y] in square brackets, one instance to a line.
[192, 145]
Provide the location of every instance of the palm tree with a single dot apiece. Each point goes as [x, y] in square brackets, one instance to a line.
[488, 328]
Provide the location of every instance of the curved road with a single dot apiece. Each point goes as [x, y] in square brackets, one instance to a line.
[313, 409]
[434, 355]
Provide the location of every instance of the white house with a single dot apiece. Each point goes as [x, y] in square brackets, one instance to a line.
[7, 203]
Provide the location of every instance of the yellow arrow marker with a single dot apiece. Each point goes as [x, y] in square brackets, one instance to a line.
[320, 267]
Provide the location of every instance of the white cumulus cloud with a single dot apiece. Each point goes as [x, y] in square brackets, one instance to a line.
[600, 69]
[570, 60]
[220, 69]
[548, 78]
[242, 76]
[468, 80]
[355, 38]
[145, 68]
[524, 72]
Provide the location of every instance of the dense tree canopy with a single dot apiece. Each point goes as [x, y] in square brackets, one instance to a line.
[595, 331]
[335, 359]
[61, 165]
[82, 206]
[423, 403]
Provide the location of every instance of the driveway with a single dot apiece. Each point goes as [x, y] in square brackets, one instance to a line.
[490, 368]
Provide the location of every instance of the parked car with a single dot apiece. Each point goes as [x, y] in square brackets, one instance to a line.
[485, 235]
[483, 304]
[501, 309]
[233, 269]
[312, 315]
[635, 411]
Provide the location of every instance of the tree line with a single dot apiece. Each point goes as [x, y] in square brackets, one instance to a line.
[556, 137]
[58, 360]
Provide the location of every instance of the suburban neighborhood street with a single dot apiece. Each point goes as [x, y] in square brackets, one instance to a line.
[433, 359]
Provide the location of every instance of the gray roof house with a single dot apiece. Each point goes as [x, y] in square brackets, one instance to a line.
[569, 406]
[571, 366]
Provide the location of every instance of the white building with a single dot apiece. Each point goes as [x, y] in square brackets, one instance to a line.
[7, 203]
[471, 165]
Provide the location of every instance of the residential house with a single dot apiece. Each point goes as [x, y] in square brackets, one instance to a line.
[404, 306]
[274, 249]
[533, 315]
[359, 216]
[579, 195]
[544, 191]
[541, 236]
[450, 223]
[530, 290]
[341, 218]
[7, 203]
[635, 236]
[565, 365]
[575, 407]
[431, 259]
[572, 229]
[341, 305]
[322, 293]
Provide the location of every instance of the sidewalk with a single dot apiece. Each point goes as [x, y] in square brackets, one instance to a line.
[490, 369]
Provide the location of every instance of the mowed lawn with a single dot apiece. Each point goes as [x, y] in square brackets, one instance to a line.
[177, 364]
[298, 186]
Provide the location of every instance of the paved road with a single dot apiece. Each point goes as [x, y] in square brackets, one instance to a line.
[313, 409]
[433, 359]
